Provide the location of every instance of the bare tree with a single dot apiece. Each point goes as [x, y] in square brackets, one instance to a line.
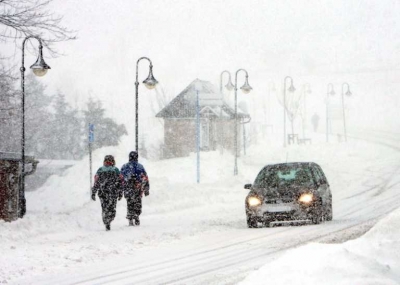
[21, 18]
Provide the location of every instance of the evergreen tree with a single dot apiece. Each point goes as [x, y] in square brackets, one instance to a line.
[10, 112]
[38, 118]
[107, 131]
[66, 131]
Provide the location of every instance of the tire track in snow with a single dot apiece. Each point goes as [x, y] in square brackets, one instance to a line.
[201, 267]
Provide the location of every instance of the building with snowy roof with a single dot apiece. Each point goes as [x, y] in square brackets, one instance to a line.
[216, 121]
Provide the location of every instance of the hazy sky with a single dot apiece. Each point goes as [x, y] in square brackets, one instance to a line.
[313, 41]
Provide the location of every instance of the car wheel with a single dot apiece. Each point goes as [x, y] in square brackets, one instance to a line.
[316, 219]
[329, 214]
[251, 222]
[317, 214]
[267, 223]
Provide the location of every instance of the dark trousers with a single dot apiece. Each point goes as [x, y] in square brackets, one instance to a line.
[134, 203]
[108, 206]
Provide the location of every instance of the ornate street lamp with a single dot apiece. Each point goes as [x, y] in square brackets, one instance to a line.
[39, 68]
[229, 85]
[348, 93]
[246, 88]
[330, 91]
[291, 90]
[306, 90]
[150, 82]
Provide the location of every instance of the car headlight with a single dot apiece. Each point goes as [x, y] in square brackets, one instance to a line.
[306, 198]
[254, 201]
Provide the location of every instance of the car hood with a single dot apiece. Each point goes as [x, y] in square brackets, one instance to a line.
[285, 194]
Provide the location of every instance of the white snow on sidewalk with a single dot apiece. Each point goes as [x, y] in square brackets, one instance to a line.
[371, 259]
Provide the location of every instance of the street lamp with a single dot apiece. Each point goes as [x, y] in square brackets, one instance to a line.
[306, 90]
[150, 82]
[271, 87]
[291, 90]
[229, 85]
[198, 88]
[348, 93]
[246, 88]
[39, 68]
[331, 92]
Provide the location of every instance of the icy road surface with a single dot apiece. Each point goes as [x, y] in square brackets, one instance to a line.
[192, 234]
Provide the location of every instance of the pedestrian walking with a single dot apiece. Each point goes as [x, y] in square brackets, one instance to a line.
[136, 183]
[108, 184]
[315, 121]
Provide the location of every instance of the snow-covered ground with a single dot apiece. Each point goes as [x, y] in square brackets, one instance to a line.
[197, 234]
[371, 259]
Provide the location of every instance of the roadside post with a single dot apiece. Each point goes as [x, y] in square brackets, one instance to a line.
[91, 140]
[198, 88]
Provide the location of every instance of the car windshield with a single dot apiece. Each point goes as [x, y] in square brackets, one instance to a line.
[281, 175]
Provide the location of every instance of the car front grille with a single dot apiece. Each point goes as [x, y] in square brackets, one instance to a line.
[279, 200]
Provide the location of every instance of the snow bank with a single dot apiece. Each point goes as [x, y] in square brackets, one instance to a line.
[371, 259]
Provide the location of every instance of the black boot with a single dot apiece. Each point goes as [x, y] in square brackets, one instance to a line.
[137, 221]
[108, 227]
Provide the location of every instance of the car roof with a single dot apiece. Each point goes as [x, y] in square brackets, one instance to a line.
[292, 164]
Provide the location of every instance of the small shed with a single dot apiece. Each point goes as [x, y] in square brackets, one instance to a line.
[12, 196]
[216, 121]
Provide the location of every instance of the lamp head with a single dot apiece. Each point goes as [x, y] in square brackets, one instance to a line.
[150, 82]
[348, 93]
[291, 88]
[229, 85]
[40, 67]
[246, 88]
[332, 92]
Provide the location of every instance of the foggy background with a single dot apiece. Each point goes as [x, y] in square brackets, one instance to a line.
[315, 42]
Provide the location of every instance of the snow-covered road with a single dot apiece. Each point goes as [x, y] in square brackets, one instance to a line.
[194, 234]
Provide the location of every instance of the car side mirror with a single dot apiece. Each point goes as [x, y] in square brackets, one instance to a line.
[247, 186]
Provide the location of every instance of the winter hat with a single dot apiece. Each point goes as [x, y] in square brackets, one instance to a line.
[133, 156]
[109, 160]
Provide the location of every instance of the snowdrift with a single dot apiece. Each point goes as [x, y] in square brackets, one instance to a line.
[373, 258]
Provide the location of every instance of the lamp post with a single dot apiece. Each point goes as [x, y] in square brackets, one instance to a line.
[291, 90]
[306, 90]
[39, 68]
[229, 85]
[150, 82]
[198, 89]
[330, 91]
[348, 93]
[266, 105]
[246, 88]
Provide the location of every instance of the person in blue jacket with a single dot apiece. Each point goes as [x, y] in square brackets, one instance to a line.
[136, 183]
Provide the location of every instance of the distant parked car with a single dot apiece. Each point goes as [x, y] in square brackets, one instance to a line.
[289, 192]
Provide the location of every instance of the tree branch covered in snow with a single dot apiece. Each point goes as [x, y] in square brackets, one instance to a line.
[22, 18]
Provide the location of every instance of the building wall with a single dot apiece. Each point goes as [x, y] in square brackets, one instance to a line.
[180, 136]
[226, 134]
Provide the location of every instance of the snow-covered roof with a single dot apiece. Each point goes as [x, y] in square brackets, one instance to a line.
[14, 156]
[210, 100]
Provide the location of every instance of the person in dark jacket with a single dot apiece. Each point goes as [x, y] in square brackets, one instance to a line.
[136, 183]
[108, 183]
